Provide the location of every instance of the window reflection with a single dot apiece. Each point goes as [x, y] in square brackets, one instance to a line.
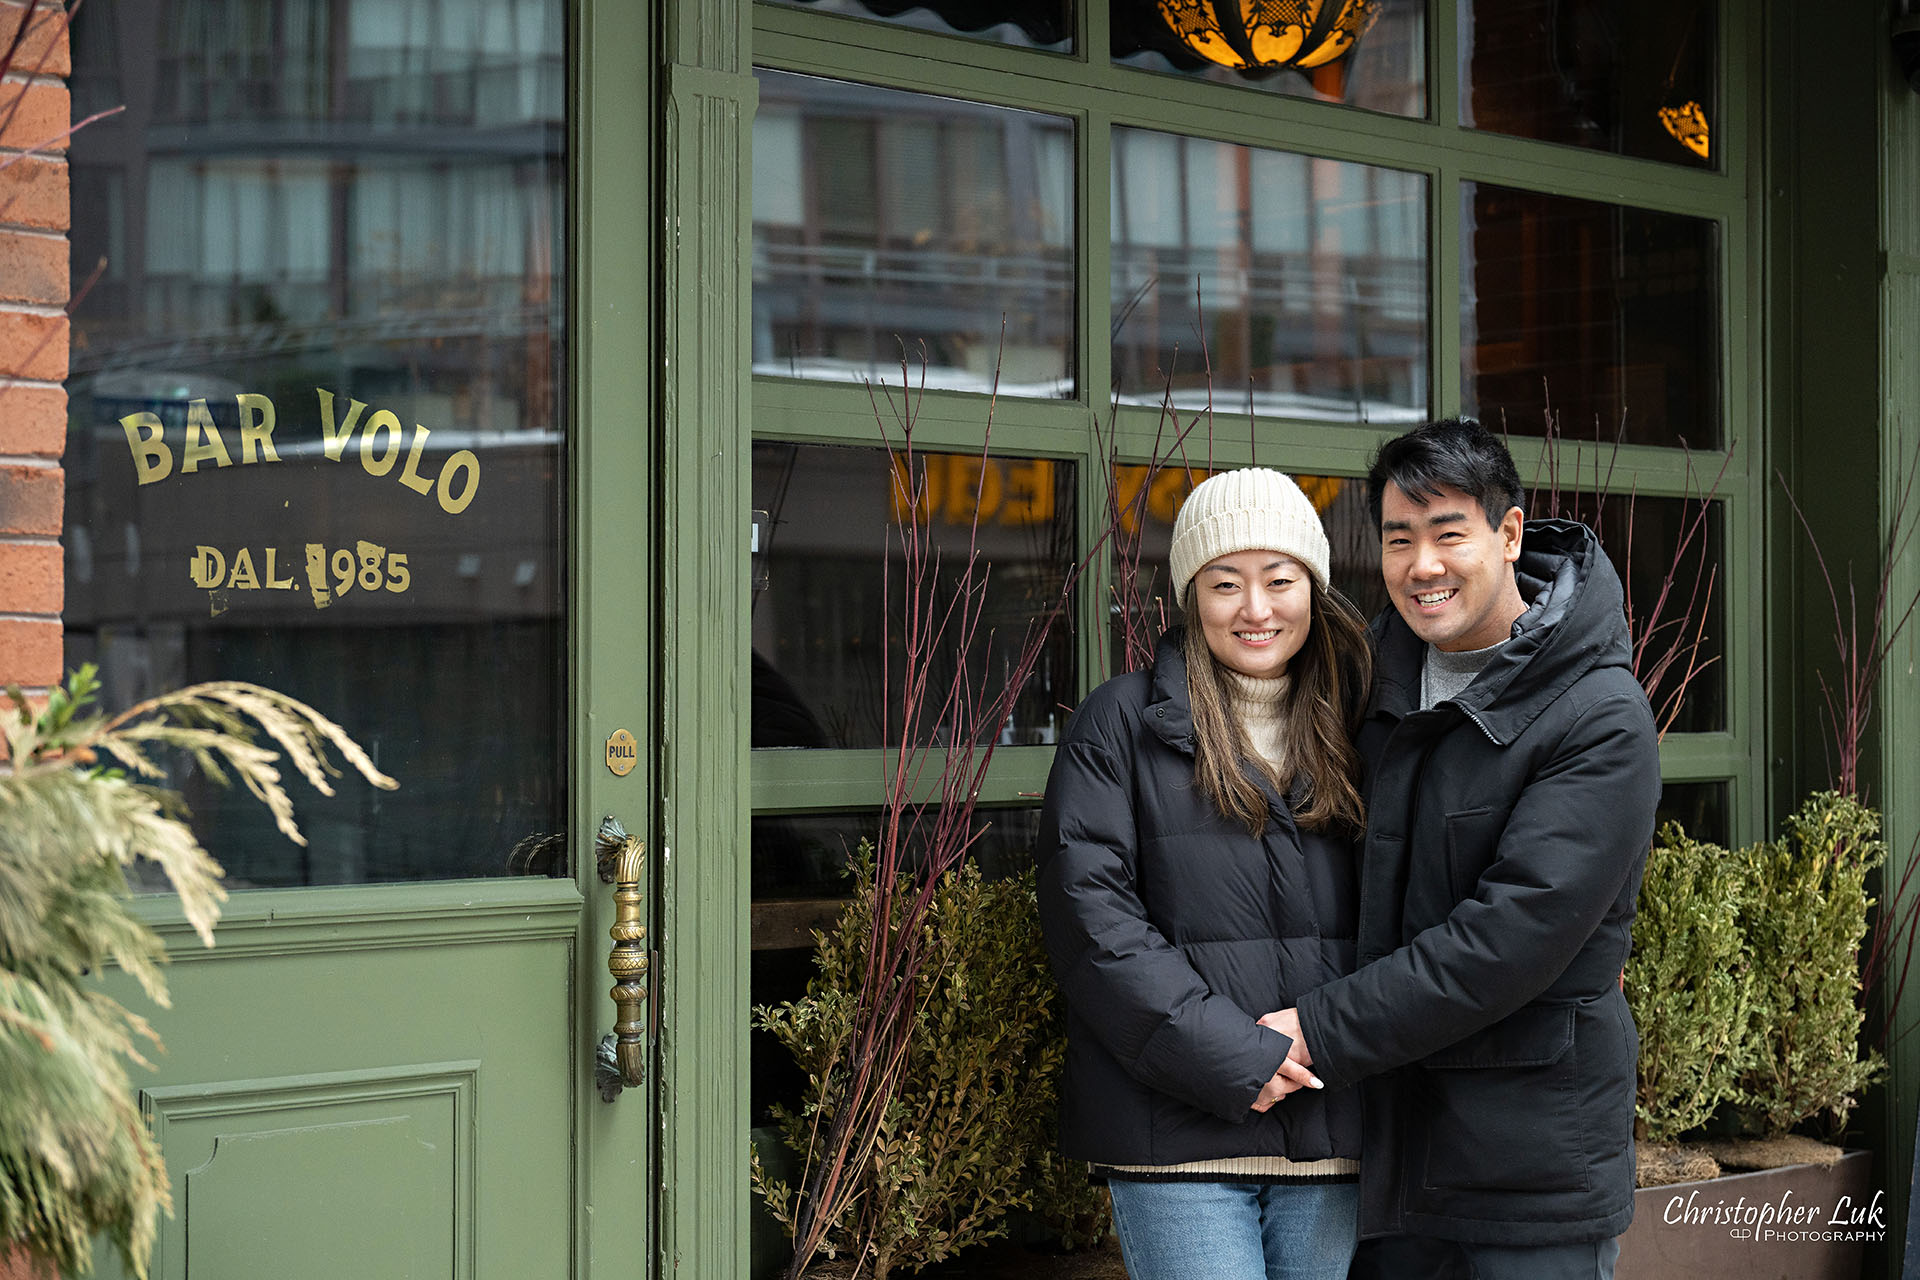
[1032, 24]
[317, 412]
[1383, 69]
[1605, 316]
[828, 575]
[1310, 277]
[890, 225]
[1634, 77]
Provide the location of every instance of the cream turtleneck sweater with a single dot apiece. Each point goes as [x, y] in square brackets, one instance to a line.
[1258, 703]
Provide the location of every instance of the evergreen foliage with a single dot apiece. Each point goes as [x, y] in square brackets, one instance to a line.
[1804, 914]
[1745, 975]
[1687, 984]
[76, 1157]
[966, 1138]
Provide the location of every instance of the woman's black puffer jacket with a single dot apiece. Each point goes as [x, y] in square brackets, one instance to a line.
[1171, 930]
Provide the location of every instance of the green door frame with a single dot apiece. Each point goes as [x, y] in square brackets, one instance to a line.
[702, 679]
[611, 209]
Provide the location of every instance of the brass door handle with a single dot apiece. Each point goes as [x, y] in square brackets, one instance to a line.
[623, 859]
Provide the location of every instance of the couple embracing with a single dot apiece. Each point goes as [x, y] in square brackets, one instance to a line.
[1340, 913]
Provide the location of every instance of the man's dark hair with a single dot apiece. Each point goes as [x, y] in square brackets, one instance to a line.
[1458, 453]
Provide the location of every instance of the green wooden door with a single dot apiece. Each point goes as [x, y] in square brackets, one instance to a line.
[386, 1065]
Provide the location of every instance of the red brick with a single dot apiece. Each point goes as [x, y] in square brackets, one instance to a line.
[46, 49]
[33, 346]
[41, 119]
[34, 193]
[33, 421]
[33, 268]
[32, 578]
[30, 651]
[32, 500]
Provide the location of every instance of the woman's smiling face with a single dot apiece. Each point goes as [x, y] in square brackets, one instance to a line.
[1255, 609]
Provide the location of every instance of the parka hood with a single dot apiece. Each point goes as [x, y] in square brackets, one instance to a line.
[1575, 622]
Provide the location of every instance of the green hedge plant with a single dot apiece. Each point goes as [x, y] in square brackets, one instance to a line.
[1804, 914]
[1745, 975]
[966, 1138]
[1688, 984]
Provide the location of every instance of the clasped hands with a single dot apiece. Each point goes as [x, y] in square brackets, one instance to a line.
[1293, 1073]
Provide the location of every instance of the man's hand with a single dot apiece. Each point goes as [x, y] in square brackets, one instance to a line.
[1293, 1073]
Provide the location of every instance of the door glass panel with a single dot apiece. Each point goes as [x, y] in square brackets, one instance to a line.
[1634, 77]
[1604, 316]
[1364, 53]
[892, 226]
[317, 405]
[1309, 275]
[829, 589]
[1029, 24]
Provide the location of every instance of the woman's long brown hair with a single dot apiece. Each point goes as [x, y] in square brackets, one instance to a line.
[1328, 684]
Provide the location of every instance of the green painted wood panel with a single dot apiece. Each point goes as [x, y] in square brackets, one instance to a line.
[330, 1067]
[1900, 689]
[315, 1177]
[704, 496]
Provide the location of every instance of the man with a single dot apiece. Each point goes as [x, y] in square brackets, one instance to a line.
[1513, 770]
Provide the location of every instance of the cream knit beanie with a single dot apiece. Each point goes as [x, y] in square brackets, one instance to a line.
[1253, 509]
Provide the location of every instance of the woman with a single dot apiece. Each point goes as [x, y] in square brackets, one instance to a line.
[1197, 873]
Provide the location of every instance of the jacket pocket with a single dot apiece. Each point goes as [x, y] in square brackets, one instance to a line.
[1472, 836]
[1502, 1109]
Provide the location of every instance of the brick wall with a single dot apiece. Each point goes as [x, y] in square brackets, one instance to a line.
[34, 283]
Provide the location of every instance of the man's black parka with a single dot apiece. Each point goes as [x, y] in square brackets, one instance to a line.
[1506, 832]
[1172, 930]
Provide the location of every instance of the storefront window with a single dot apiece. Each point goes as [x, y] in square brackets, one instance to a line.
[1306, 277]
[317, 410]
[830, 589]
[1030, 24]
[1700, 807]
[1598, 319]
[1671, 556]
[891, 227]
[1634, 77]
[1363, 53]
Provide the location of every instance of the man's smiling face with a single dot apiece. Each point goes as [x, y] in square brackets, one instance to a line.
[1449, 572]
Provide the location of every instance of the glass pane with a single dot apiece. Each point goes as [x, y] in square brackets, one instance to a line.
[1364, 53]
[1310, 278]
[1634, 77]
[1665, 555]
[317, 409]
[800, 884]
[1605, 316]
[1030, 24]
[1700, 807]
[890, 225]
[828, 578]
[1140, 609]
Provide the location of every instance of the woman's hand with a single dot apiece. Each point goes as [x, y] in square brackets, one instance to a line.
[1293, 1074]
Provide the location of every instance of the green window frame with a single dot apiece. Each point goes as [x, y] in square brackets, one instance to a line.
[1098, 96]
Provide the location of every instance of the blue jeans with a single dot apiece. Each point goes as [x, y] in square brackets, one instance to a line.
[1425, 1258]
[1235, 1230]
